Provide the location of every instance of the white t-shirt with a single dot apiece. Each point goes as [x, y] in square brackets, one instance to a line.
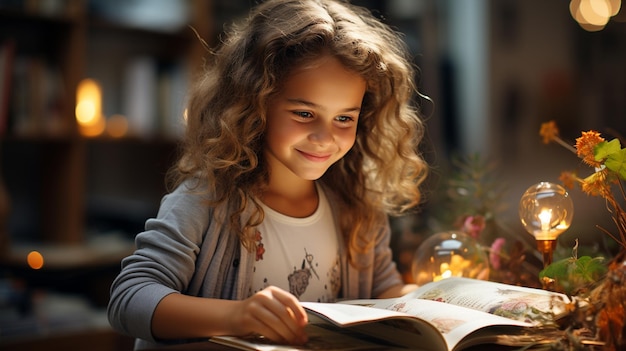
[299, 255]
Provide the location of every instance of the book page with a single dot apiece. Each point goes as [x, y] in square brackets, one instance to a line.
[389, 326]
[536, 306]
[323, 335]
[320, 338]
[455, 323]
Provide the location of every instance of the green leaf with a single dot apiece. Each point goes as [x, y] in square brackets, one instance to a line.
[556, 270]
[616, 162]
[589, 269]
[604, 149]
[572, 274]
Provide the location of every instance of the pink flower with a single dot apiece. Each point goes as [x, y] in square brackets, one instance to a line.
[474, 225]
[494, 252]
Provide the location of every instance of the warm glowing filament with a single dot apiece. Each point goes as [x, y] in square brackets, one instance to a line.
[545, 217]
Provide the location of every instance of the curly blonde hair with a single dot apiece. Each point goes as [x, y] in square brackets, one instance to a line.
[226, 116]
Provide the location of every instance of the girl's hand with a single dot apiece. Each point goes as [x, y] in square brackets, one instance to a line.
[272, 313]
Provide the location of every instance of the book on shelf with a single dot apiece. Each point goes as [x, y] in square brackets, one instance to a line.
[7, 52]
[448, 315]
[37, 98]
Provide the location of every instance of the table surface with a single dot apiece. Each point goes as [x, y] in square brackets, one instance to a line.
[200, 345]
[211, 346]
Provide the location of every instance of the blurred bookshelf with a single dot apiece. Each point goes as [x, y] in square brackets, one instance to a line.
[142, 72]
[77, 193]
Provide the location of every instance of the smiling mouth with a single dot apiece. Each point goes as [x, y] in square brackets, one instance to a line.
[314, 158]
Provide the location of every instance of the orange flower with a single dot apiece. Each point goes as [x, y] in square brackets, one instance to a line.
[596, 185]
[549, 132]
[568, 179]
[585, 147]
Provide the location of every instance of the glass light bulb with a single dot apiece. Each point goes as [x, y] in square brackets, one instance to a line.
[546, 210]
[448, 254]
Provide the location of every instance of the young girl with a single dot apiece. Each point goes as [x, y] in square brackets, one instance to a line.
[301, 140]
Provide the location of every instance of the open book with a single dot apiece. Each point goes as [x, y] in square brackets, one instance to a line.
[449, 315]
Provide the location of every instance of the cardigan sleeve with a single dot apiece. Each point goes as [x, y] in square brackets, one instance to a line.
[163, 262]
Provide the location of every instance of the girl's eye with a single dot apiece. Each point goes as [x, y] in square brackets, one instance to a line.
[345, 119]
[303, 114]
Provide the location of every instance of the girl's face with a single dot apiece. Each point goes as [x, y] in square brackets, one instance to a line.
[312, 122]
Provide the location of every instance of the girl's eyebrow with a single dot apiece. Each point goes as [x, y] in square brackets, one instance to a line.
[319, 107]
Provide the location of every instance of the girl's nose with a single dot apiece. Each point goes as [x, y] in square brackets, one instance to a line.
[321, 134]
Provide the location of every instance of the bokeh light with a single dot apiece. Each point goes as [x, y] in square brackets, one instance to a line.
[35, 260]
[593, 15]
[89, 108]
[117, 126]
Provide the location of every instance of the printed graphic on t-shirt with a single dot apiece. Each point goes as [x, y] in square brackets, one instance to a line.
[334, 279]
[299, 255]
[260, 250]
[300, 277]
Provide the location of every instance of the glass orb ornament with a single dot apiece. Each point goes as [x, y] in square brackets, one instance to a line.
[546, 210]
[449, 254]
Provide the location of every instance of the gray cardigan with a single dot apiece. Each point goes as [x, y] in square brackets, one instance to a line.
[186, 249]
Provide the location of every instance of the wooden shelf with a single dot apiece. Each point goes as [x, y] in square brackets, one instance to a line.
[47, 167]
[67, 190]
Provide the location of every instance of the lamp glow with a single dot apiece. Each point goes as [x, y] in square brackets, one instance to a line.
[544, 217]
[89, 108]
[449, 254]
[546, 211]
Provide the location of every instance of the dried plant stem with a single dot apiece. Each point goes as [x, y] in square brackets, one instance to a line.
[619, 218]
[565, 145]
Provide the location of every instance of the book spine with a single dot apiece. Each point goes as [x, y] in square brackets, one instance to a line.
[7, 52]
